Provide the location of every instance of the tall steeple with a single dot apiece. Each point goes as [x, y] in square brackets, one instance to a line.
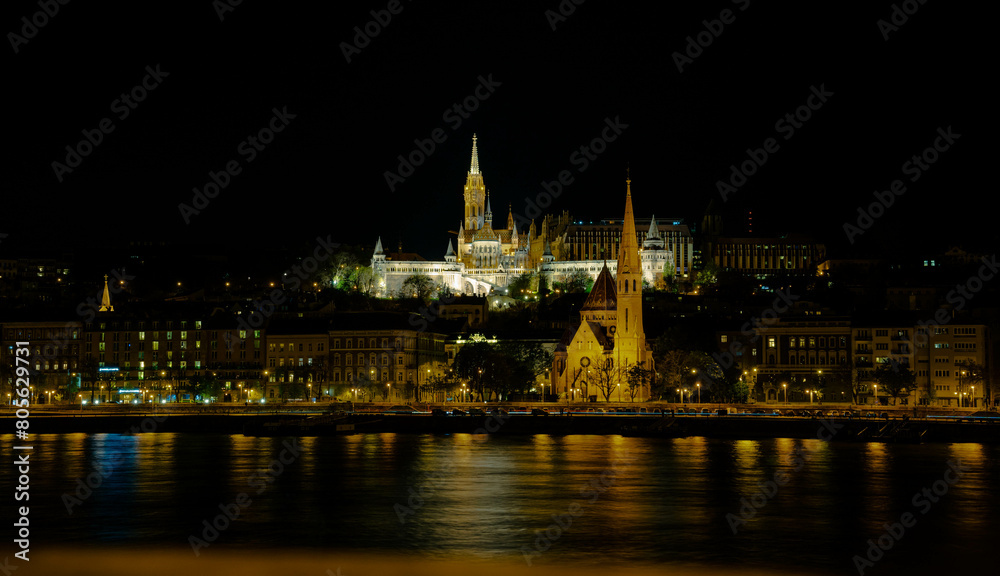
[630, 339]
[628, 253]
[475, 192]
[106, 298]
[489, 211]
[474, 169]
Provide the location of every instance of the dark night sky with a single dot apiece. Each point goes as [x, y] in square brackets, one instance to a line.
[324, 174]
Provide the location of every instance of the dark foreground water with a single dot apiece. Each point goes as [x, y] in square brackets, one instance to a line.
[619, 500]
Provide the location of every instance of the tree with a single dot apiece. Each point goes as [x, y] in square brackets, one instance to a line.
[418, 286]
[636, 378]
[678, 370]
[971, 374]
[441, 383]
[207, 386]
[89, 373]
[895, 379]
[708, 275]
[522, 286]
[603, 373]
[577, 282]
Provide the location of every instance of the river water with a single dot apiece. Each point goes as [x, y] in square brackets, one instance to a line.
[591, 500]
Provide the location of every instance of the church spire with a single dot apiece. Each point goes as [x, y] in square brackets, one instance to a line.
[475, 157]
[628, 254]
[106, 298]
[489, 211]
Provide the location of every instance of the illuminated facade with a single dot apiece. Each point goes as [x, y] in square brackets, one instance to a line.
[486, 259]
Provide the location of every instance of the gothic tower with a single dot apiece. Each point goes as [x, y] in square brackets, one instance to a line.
[630, 339]
[475, 193]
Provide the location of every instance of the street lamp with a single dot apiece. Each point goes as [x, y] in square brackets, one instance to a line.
[876, 393]
[784, 387]
[699, 392]
[685, 394]
[618, 386]
[973, 397]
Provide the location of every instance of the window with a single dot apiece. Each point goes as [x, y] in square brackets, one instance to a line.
[771, 342]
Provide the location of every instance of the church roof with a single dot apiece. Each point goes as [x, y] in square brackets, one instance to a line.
[604, 295]
[485, 233]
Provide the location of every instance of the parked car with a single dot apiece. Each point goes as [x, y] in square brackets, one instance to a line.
[438, 412]
[477, 412]
[499, 412]
[458, 412]
[538, 412]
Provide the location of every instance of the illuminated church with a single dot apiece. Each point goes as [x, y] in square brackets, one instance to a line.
[486, 258]
[609, 333]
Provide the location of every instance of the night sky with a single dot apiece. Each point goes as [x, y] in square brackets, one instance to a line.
[324, 173]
